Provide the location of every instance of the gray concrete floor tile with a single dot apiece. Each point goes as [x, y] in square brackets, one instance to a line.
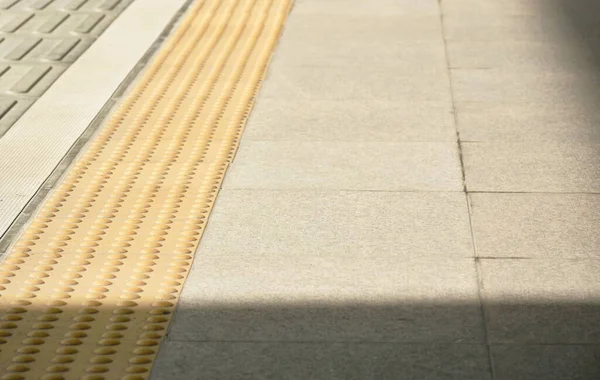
[495, 27]
[318, 298]
[338, 224]
[371, 8]
[345, 166]
[537, 225]
[519, 55]
[535, 122]
[510, 86]
[542, 302]
[547, 362]
[350, 120]
[363, 27]
[403, 56]
[528, 167]
[361, 35]
[499, 9]
[351, 82]
[301, 361]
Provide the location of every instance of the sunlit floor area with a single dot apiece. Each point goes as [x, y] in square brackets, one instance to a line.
[303, 190]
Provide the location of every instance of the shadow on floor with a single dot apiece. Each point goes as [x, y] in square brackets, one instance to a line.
[575, 27]
[407, 340]
[583, 18]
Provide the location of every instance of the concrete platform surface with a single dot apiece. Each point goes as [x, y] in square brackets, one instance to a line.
[416, 193]
[343, 245]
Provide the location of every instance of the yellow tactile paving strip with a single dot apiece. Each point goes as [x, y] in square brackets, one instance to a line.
[89, 289]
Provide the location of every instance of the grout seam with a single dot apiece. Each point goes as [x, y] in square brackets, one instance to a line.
[478, 269]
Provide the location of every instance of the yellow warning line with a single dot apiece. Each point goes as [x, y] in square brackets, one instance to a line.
[89, 289]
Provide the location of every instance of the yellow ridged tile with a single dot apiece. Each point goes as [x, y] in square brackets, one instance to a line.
[89, 288]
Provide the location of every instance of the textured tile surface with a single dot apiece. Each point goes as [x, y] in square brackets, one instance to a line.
[544, 226]
[345, 166]
[300, 361]
[39, 40]
[11, 109]
[111, 192]
[33, 147]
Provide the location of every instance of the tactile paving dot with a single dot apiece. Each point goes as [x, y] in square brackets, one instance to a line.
[89, 288]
